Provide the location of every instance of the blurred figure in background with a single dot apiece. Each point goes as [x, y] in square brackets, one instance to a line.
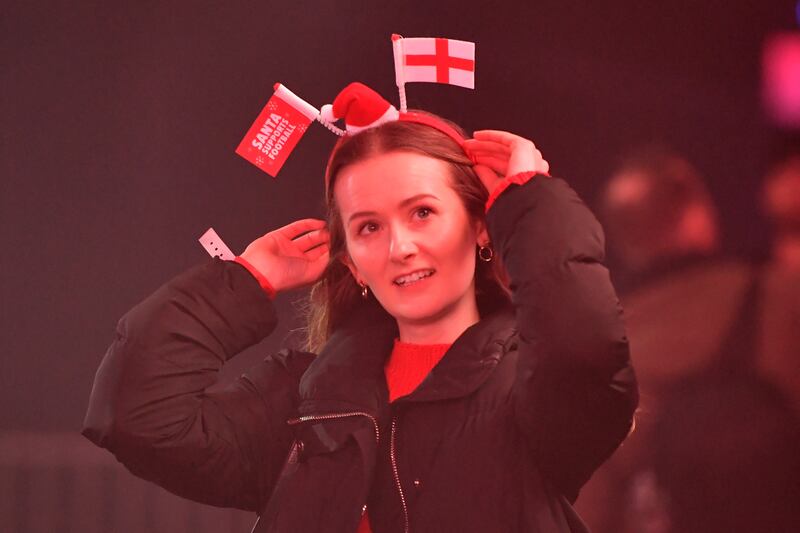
[658, 206]
[781, 204]
[715, 446]
[779, 346]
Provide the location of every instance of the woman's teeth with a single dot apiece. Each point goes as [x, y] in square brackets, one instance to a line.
[411, 278]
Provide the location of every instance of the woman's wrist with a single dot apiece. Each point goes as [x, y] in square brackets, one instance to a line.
[262, 280]
[519, 178]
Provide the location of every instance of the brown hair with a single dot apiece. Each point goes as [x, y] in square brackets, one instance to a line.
[335, 295]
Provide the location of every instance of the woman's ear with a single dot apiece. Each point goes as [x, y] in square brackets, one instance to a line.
[483, 233]
[348, 262]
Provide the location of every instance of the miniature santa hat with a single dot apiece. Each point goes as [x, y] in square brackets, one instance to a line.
[363, 108]
[360, 107]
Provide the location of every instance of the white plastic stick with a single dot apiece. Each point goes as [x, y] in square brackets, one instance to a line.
[214, 245]
[295, 101]
[399, 77]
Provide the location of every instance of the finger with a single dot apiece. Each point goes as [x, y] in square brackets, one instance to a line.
[298, 227]
[312, 239]
[497, 164]
[487, 176]
[474, 145]
[502, 137]
[318, 265]
[514, 143]
[315, 253]
[524, 161]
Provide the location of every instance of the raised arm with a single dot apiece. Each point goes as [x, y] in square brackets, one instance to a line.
[150, 403]
[575, 392]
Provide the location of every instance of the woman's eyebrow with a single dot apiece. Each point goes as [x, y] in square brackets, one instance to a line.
[402, 204]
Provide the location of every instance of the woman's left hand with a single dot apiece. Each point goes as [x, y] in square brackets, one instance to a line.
[500, 154]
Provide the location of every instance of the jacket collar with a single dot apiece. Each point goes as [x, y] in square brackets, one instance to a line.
[348, 373]
[469, 361]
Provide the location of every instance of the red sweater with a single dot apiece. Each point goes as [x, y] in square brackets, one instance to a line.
[406, 368]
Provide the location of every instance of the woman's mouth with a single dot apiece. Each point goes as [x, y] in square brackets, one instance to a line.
[414, 277]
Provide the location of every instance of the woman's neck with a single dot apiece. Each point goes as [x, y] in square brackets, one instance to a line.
[443, 328]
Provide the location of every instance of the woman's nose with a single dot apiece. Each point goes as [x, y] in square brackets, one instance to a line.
[402, 245]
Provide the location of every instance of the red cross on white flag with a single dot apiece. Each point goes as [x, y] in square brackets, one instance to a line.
[434, 60]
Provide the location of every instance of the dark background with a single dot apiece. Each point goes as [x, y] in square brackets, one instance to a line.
[120, 120]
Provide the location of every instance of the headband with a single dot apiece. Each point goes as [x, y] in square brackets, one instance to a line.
[362, 108]
[286, 116]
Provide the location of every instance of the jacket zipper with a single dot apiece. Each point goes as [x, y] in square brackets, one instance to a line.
[294, 452]
[392, 454]
[332, 416]
[393, 457]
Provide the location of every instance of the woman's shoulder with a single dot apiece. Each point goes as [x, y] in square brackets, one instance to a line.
[497, 331]
[280, 372]
[294, 360]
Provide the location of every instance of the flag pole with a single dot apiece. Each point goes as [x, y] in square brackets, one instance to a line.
[338, 131]
[397, 49]
[403, 104]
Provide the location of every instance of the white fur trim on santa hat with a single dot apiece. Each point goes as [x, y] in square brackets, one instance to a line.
[326, 112]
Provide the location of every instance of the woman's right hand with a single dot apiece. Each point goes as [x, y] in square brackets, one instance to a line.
[292, 256]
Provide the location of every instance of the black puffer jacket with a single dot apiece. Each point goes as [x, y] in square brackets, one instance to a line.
[499, 437]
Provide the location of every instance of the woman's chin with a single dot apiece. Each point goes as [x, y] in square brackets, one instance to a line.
[424, 306]
[418, 311]
[404, 309]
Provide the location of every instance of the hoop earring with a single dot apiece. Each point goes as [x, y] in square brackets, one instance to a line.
[485, 253]
[364, 290]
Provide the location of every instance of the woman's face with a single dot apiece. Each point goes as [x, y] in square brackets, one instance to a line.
[408, 234]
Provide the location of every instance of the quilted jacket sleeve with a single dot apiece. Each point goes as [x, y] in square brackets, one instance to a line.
[150, 407]
[575, 391]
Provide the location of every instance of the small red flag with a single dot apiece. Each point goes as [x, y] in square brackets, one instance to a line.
[277, 130]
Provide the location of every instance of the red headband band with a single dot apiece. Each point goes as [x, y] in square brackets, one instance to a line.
[408, 116]
[434, 122]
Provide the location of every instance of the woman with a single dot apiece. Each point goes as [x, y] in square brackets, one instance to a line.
[436, 402]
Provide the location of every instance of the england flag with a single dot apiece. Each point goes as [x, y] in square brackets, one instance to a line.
[434, 60]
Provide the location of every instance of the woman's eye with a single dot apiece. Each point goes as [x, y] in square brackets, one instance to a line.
[423, 212]
[367, 228]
